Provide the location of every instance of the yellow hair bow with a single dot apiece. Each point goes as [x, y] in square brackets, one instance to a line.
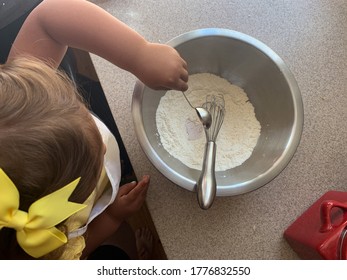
[36, 231]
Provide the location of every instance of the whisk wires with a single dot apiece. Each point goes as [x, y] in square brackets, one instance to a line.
[215, 105]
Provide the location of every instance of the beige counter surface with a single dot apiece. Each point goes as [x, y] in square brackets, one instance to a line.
[311, 37]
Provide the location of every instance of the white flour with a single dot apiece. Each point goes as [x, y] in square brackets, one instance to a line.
[181, 132]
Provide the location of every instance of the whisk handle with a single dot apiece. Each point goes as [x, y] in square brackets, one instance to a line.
[206, 185]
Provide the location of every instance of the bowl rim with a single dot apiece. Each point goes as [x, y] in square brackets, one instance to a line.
[242, 187]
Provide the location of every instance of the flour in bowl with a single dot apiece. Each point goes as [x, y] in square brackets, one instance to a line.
[182, 134]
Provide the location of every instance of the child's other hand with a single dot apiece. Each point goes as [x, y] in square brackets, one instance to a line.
[161, 67]
[129, 199]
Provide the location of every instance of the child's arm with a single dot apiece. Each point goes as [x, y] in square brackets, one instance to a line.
[129, 200]
[55, 24]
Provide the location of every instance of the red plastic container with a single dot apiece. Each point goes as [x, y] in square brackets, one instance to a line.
[321, 231]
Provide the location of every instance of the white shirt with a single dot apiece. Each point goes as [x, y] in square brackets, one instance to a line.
[113, 171]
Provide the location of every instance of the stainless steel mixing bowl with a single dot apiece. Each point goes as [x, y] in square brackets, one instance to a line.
[271, 88]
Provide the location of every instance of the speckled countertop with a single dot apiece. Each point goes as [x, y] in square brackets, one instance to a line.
[311, 37]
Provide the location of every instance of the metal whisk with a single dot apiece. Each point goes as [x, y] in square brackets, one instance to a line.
[207, 184]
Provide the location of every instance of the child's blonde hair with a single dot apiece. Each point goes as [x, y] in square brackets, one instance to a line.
[47, 135]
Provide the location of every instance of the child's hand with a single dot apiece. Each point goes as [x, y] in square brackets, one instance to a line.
[129, 199]
[161, 67]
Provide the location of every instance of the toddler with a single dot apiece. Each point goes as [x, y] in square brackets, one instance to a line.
[59, 164]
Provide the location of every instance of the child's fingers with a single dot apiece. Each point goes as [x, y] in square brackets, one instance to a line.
[140, 189]
[134, 188]
[142, 185]
[126, 188]
[182, 85]
[184, 76]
